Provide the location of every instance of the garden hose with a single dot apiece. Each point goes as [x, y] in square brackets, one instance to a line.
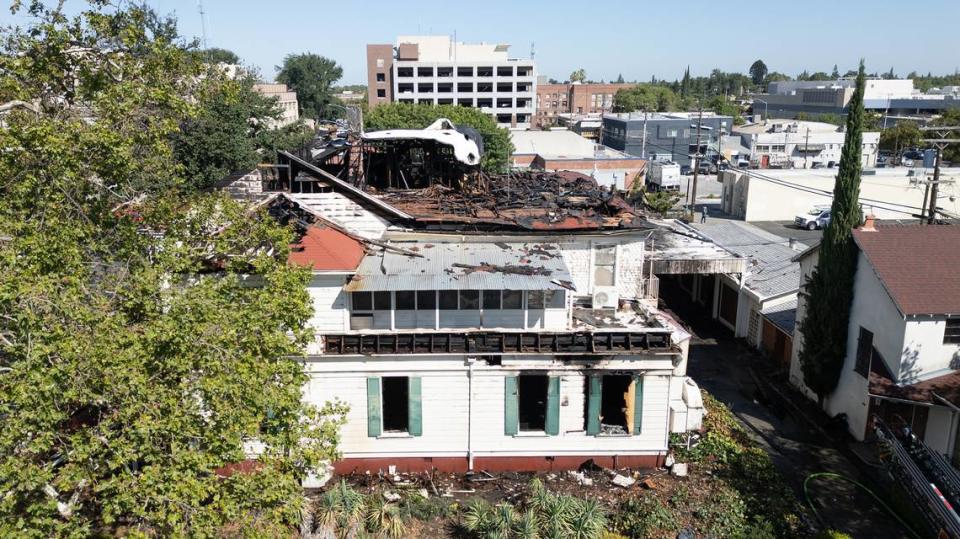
[831, 475]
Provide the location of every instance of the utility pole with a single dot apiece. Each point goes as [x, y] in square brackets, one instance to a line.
[643, 145]
[940, 143]
[806, 149]
[696, 164]
[203, 22]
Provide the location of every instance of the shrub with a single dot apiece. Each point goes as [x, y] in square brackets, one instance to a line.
[344, 512]
[643, 517]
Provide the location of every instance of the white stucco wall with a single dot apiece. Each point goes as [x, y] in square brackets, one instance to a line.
[925, 355]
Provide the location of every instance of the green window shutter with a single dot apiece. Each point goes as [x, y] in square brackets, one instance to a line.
[553, 406]
[373, 407]
[595, 385]
[510, 406]
[414, 408]
[638, 404]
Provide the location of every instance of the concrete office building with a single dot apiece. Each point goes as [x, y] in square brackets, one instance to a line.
[574, 98]
[896, 99]
[436, 70]
[670, 136]
[286, 100]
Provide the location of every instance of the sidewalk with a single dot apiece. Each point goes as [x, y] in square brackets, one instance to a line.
[721, 365]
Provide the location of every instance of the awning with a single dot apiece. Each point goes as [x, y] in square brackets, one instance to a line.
[811, 148]
[463, 266]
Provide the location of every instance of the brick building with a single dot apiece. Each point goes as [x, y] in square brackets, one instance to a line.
[576, 98]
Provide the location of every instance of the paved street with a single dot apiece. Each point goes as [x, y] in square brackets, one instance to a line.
[721, 366]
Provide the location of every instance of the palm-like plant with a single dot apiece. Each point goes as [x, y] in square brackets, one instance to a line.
[527, 526]
[478, 516]
[588, 521]
[383, 518]
[340, 510]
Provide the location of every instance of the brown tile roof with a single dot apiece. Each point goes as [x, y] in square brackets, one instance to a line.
[918, 265]
[946, 386]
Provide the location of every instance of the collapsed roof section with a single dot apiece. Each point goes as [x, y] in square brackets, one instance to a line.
[466, 149]
[525, 201]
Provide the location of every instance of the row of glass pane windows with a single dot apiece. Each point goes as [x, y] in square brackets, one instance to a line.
[448, 300]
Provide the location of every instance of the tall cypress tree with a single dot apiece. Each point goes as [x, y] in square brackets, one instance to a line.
[830, 288]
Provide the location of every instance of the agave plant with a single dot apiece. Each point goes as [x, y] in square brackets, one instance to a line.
[527, 526]
[478, 516]
[383, 518]
[588, 521]
[340, 510]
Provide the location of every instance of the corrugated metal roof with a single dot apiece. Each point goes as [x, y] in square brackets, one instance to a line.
[464, 266]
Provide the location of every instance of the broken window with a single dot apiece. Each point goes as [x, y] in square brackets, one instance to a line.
[469, 300]
[381, 301]
[426, 300]
[406, 300]
[361, 301]
[396, 400]
[535, 299]
[532, 402]
[605, 259]
[512, 299]
[616, 400]
[448, 300]
[491, 299]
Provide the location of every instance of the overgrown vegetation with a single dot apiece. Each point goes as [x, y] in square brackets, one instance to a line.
[496, 141]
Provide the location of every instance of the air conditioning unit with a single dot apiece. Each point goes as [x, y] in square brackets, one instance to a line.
[605, 297]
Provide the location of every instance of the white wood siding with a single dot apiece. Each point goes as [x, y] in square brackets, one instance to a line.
[447, 408]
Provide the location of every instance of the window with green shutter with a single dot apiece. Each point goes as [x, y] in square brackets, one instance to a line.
[638, 382]
[415, 408]
[510, 405]
[373, 407]
[552, 426]
[594, 394]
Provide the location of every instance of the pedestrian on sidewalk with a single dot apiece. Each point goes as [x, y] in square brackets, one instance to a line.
[703, 214]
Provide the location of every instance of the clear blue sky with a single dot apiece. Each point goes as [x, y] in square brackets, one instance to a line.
[637, 38]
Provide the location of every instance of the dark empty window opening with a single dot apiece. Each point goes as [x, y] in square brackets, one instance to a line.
[465, 102]
[445, 87]
[484, 103]
[381, 77]
[484, 71]
[381, 92]
[404, 88]
[425, 71]
[504, 103]
[491, 299]
[444, 101]
[532, 405]
[448, 300]
[951, 332]
[864, 352]
[504, 87]
[425, 88]
[484, 87]
[404, 71]
[469, 299]
[362, 301]
[396, 403]
[445, 71]
[615, 403]
[504, 118]
[465, 71]
[464, 86]
[505, 71]
[512, 299]
[406, 300]
[426, 300]
[524, 71]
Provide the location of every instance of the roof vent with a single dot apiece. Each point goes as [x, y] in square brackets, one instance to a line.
[869, 223]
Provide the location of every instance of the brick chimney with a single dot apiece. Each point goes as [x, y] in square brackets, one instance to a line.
[869, 223]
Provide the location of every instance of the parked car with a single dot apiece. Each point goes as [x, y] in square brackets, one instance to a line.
[817, 217]
[915, 155]
[686, 170]
[704, 169]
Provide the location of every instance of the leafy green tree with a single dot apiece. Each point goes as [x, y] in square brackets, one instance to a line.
[578, 75]
[819, 75]
[722, 106]
[146, 330]
[950, 117]
[775, 76]
[646, 97]
[660, 202]
[830, 289]
[217, 55]
[496, 140]
[312, 77]
[231, 131]
[758, 72]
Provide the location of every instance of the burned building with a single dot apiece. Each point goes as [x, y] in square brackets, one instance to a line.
[492, 322]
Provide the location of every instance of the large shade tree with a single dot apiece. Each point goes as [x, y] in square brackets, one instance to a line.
[829, 291]
[758, 72]
[312, 77]
[146, 329]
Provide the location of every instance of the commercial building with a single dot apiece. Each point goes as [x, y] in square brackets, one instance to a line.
[663, 136]
[574, 98]
[800, 144]
[559, 150]
[903, 338]
[896, 99]
[780, 195]
[286, 99]
[436, 70]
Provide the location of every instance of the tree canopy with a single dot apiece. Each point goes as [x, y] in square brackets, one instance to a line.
[146, 329]
[905, 134]
[758, 72]
[496, 140]
[217, 55]
[312, 77]
[646, 97]
[579, 75]
[829, 290]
